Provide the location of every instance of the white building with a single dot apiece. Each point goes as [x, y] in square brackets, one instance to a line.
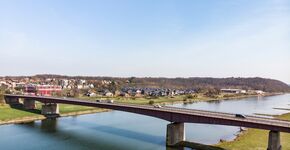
[109, 94]
[236, 91]
[260, 92]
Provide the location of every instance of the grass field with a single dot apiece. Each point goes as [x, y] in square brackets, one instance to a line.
[63, 108]
[254, 139]
[8, 113]
[138, 100]
[160, 100]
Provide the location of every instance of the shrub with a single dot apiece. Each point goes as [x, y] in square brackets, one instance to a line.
[151, 102]
[189, 96]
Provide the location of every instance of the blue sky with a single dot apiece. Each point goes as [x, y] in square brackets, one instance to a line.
[157, 38]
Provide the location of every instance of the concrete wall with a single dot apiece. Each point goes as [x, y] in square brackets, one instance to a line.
[12, 100]
[274, 141]
[175, 134]
[29, 104]
[50, 109]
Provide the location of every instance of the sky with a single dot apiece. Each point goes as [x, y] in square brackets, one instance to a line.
[146, 38]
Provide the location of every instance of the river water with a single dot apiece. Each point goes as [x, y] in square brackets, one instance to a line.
[122, 131]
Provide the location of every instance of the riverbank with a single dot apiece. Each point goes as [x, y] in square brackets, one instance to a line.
[177, 99]
[255, 139]
[250, 139]
[19, 115]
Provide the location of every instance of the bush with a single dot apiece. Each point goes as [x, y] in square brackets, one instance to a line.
[151, 102]
[189, 96]
[8, 91]
[213, 93]
[151, 97]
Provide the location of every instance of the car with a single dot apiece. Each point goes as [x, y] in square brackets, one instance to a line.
[98, 101]
[110, 101]
[240, 116]
[157, 106]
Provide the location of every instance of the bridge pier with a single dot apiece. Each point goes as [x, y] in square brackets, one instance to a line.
[12, 100]
[29, 104]
[50, 110]
[274, 141]
[175, 133]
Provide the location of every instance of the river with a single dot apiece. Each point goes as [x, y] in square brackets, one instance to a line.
[123, 131]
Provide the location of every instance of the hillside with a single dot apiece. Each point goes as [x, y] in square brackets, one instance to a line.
[268, 85]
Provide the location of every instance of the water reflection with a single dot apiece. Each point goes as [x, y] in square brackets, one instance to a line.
[49, 125]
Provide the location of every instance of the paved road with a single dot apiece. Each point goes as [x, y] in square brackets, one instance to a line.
[164, 112]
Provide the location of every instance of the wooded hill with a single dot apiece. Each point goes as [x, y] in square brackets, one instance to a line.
[268, 85]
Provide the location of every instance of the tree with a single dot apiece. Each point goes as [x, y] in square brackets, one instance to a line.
[113, 87]
[151, 102]
[73, 93]
[212, 92]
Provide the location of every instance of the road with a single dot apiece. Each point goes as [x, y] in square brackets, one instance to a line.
[174, 114]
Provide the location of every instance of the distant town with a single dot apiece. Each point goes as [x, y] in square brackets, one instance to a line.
[97, 88]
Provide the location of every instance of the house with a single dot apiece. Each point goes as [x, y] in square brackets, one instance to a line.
[138, 93]
[92, 94]
[82, 82]
[117, 93]
[4, 84]
[30, 89]
[243, 91]
[48, 90]
[64, 83]
[124, 94]
[236, 91]
[259, 92]
[106, 82]
[109, 94]
[91, 86]
[80, 86]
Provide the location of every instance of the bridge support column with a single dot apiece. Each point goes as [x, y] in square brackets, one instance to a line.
[175, 133]
[29, 104]
[50, 110]
[12, 101]
[274, 141]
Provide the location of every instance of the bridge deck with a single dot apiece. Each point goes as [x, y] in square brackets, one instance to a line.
[174, 114]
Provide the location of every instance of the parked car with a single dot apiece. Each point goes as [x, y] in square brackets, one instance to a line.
[98, 101]
[240, 116]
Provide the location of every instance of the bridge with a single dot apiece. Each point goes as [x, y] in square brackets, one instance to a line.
[177, 116]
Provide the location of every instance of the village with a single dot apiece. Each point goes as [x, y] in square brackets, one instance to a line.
[99, 88]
